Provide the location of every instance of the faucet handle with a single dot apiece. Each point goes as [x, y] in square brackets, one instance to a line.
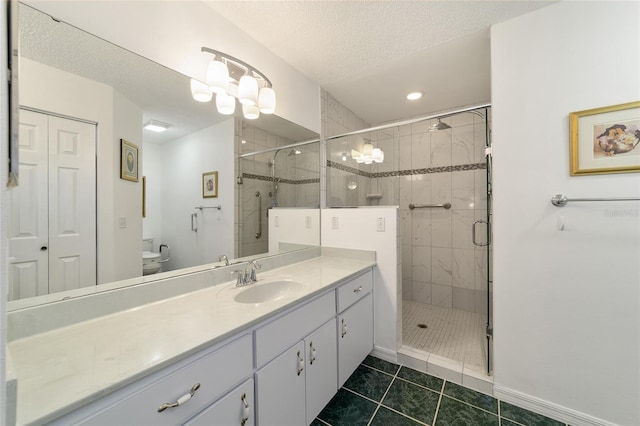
[241, 277]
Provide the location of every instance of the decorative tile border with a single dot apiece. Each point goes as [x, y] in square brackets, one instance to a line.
[289, 181]
[444, 169]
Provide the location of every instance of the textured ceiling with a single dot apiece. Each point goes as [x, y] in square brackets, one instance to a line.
[369, 54]
[161, 93]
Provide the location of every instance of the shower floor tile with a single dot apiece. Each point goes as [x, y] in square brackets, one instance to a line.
[451, 333]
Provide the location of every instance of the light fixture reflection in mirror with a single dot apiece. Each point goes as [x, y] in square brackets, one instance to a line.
[156, 92]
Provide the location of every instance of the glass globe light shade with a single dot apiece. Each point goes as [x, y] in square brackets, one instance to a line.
[250, 112]
[267, 100]
[225, 103]
[217, 76]
[248, 90]
[200, 91]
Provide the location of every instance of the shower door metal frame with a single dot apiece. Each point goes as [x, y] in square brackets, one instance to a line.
[489, 192]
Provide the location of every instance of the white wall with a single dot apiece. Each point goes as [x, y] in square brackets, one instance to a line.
[183, 162]
[293, 225]
[52, 90]
[172, 33]
[567, 317]
[127, 195]
[152, 169]
[357, 229]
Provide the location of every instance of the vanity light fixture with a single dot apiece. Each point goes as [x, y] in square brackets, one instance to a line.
[414, 96]
[230, 78]
[368, 155]
[157, 126]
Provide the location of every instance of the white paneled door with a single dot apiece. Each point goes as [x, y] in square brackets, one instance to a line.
[53, 211]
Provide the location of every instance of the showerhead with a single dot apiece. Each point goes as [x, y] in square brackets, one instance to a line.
[439, 126]
[294, 151]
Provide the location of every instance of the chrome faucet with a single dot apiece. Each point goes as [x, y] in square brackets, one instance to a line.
[248, 276]
[224, 258]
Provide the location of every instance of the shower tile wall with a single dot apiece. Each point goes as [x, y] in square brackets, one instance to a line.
[298, 186]
[255, 139]
[336, 119]
[441, 265]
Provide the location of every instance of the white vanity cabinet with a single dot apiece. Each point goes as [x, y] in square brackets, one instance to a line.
[203, 378]
[354, 324]
[280, 371]
[236, 408]
[297, 384]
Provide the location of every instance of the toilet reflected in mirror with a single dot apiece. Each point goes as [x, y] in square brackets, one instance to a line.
[152, 261]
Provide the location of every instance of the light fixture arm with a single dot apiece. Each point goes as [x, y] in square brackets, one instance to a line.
[249, 68]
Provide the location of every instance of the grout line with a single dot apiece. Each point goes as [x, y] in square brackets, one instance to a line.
[418, 384]
[322, 421]
[405, 415]
[360, 395]
[375, 369]
[383, 396]
[435, 415]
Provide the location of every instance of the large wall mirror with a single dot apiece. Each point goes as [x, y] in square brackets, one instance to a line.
[82, 216]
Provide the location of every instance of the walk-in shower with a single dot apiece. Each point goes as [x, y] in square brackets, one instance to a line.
[291, 180]
[440, 166]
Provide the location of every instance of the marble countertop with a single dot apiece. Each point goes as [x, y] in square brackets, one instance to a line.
[64, 369]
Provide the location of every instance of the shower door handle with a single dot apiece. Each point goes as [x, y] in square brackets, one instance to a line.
[259, 233]
[473, 233]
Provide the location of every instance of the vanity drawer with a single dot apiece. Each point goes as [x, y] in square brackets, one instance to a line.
[275, 337]
[211, 371]
[353, 290]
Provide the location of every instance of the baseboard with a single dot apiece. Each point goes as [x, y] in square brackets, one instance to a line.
[384, 353]
[546, 408]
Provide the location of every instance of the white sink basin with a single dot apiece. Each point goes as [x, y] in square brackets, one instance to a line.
[267, 292]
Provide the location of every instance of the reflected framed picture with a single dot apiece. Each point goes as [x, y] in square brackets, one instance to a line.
[144, 196]
[128, 161]
[605, 140]
[210, 185]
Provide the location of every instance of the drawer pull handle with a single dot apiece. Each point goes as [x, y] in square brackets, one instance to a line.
[300, 363]
[344, 328]
[357, 290]
[245, 410]
[181, 400]
[313, 353]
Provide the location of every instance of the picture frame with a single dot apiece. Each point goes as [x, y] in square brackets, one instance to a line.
[128, 161]
[605, 140]
[144, 196]
[210, 185]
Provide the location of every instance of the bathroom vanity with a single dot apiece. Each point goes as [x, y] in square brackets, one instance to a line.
[273, 352]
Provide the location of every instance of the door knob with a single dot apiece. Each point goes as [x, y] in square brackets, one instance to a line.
[43, 248]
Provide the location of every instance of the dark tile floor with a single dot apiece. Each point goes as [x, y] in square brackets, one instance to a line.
[380, 393]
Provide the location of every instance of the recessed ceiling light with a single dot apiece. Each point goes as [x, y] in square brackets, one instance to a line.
[157, 126]
[414, 95]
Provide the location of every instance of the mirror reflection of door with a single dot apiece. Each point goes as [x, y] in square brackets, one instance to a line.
[52, 243]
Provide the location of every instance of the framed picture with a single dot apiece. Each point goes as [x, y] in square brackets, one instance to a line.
[605, 140]
[210, 185]
[128, 161]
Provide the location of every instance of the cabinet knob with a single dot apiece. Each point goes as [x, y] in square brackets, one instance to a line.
[344, 328]
[357, 290]
[43, 248]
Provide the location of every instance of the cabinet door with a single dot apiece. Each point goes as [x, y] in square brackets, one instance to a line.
[322, 368]
[280, 389]
[236, 408]
[355, 337]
